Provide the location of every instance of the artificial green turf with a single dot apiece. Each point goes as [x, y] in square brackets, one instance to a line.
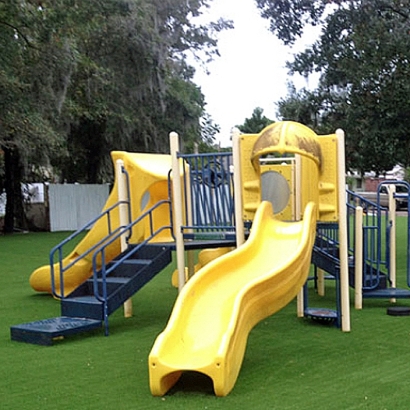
[290, 363]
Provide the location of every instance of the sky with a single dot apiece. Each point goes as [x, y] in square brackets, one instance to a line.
[251, 70]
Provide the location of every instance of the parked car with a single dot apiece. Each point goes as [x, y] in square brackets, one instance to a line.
[402, 192]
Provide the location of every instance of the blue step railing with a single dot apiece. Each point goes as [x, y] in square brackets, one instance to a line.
[402, 196]
[375, 225]
[376, 252]
[100, 274]
[57, 252]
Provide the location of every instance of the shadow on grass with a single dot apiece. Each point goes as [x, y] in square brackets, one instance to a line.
[193, 383]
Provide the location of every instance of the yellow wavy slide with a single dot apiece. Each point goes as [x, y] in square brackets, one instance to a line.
[215, 311]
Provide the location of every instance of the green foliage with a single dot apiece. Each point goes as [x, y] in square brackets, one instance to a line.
[302, 106]
[362, 55]
[256, 123]
[79, 79]
[288, 18]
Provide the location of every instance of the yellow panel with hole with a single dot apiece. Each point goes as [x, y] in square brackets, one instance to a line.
[313, 179]
[288, 138]
[277, 187]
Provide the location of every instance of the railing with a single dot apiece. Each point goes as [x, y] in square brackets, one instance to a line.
[99, 254]
[58, 249]
[402, 196]
[209, 204]
[376, 251]
[327, 239]
[375, 222]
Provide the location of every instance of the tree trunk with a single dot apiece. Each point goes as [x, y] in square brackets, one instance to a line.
[12, 184]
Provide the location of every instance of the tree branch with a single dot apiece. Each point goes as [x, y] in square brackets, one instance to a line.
[19, 32]
[401, 13]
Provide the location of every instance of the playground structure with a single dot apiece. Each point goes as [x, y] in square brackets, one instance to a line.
[162, 203]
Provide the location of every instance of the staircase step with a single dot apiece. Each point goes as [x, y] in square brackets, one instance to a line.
[82, 311]
[387, 293]
[82, 306]
[323, 315]
[130, 267]
[45, 332]
[113, 283]
[137, 261]
[114, 279]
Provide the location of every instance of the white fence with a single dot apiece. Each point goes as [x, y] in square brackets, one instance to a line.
[71, 206]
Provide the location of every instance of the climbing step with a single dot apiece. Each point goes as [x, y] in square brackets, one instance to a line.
[83, 310]
[45, 332]
[398, 311]
[322, 315]
[83, 306]
[387, 293]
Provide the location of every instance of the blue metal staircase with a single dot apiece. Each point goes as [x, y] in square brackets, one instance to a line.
[89, 305]
[100, 296]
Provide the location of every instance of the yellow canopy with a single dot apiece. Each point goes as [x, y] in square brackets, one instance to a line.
[287, 137]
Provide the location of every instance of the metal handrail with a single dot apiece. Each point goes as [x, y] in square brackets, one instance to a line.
[101, 251]
[400, 195]
[127, 177]
[58, 249]
[327, 237]
[373, 258]
[123, 230]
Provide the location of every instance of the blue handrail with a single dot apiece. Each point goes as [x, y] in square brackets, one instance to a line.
[58, 249]
[375, 216]
[400, 195]
[104, 271]
[127, 177]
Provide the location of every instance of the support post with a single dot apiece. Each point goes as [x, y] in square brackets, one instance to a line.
[178, 211]
[236, 160]
[358, 259]
[123, 218]
[297, 216]
[189, 217]
[343, 238]
[391, 189]
[320, 282]
[300, 303]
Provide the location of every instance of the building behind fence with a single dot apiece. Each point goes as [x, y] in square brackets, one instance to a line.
[61, 207]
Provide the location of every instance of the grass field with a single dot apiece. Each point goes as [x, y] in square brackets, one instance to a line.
[290, 363]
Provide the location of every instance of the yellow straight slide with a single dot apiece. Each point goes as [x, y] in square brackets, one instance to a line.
[215, 311]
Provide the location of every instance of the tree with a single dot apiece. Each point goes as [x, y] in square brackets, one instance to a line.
[256, 123]
[302, 106]
[26, 119]
[362, 55]
[80, 78]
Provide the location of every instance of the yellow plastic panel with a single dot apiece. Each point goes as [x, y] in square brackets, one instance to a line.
[328, 180]
[280, 195]
[287, 137]
[251, 191]
[309, 175]
[215, 311]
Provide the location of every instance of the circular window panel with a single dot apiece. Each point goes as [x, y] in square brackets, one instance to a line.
[275, 189]
[145, 200]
